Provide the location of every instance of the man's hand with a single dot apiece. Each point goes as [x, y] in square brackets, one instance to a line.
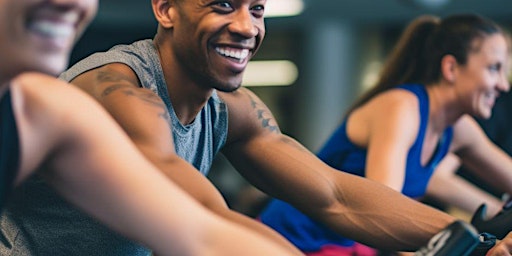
[503, 247]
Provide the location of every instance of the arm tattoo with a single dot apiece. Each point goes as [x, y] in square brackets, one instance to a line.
[111, 89]
[114, 77]
[131, 88]
[264, 115]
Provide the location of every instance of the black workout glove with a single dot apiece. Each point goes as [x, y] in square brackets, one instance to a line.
[459, 238]
[500, 225]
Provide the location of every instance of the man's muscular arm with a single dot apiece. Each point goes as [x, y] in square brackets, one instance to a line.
[144, 116]
[353, 206]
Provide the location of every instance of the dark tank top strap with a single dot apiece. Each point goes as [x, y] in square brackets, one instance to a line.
[9, 147]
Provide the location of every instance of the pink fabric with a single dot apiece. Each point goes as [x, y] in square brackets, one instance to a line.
[336, 250]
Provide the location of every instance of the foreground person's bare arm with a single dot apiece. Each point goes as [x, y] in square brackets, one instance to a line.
[96, 167]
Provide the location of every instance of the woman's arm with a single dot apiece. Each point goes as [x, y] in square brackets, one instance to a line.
[481, 156]
[392, 122]
[448, 187]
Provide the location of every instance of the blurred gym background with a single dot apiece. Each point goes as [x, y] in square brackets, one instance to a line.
[318, 56]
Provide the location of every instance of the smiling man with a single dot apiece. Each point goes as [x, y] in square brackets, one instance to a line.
[98, 168]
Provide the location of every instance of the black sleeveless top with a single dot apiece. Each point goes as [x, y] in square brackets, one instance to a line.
[9, 147]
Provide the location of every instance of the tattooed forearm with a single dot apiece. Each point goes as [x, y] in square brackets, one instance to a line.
[264, 114]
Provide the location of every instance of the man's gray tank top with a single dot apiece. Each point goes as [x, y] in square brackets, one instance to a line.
[37, 221]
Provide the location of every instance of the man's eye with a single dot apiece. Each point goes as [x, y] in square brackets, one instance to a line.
[258, 10]
[223, 5]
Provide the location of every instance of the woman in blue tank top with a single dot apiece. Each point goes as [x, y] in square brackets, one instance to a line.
[441, 75]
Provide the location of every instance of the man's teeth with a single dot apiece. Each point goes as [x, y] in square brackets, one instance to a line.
[52, 29]
[240, 55]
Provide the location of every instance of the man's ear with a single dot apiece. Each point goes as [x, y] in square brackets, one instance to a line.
[449, 67]
[164, 11]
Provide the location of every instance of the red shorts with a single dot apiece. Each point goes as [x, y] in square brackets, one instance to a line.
[335, 250]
